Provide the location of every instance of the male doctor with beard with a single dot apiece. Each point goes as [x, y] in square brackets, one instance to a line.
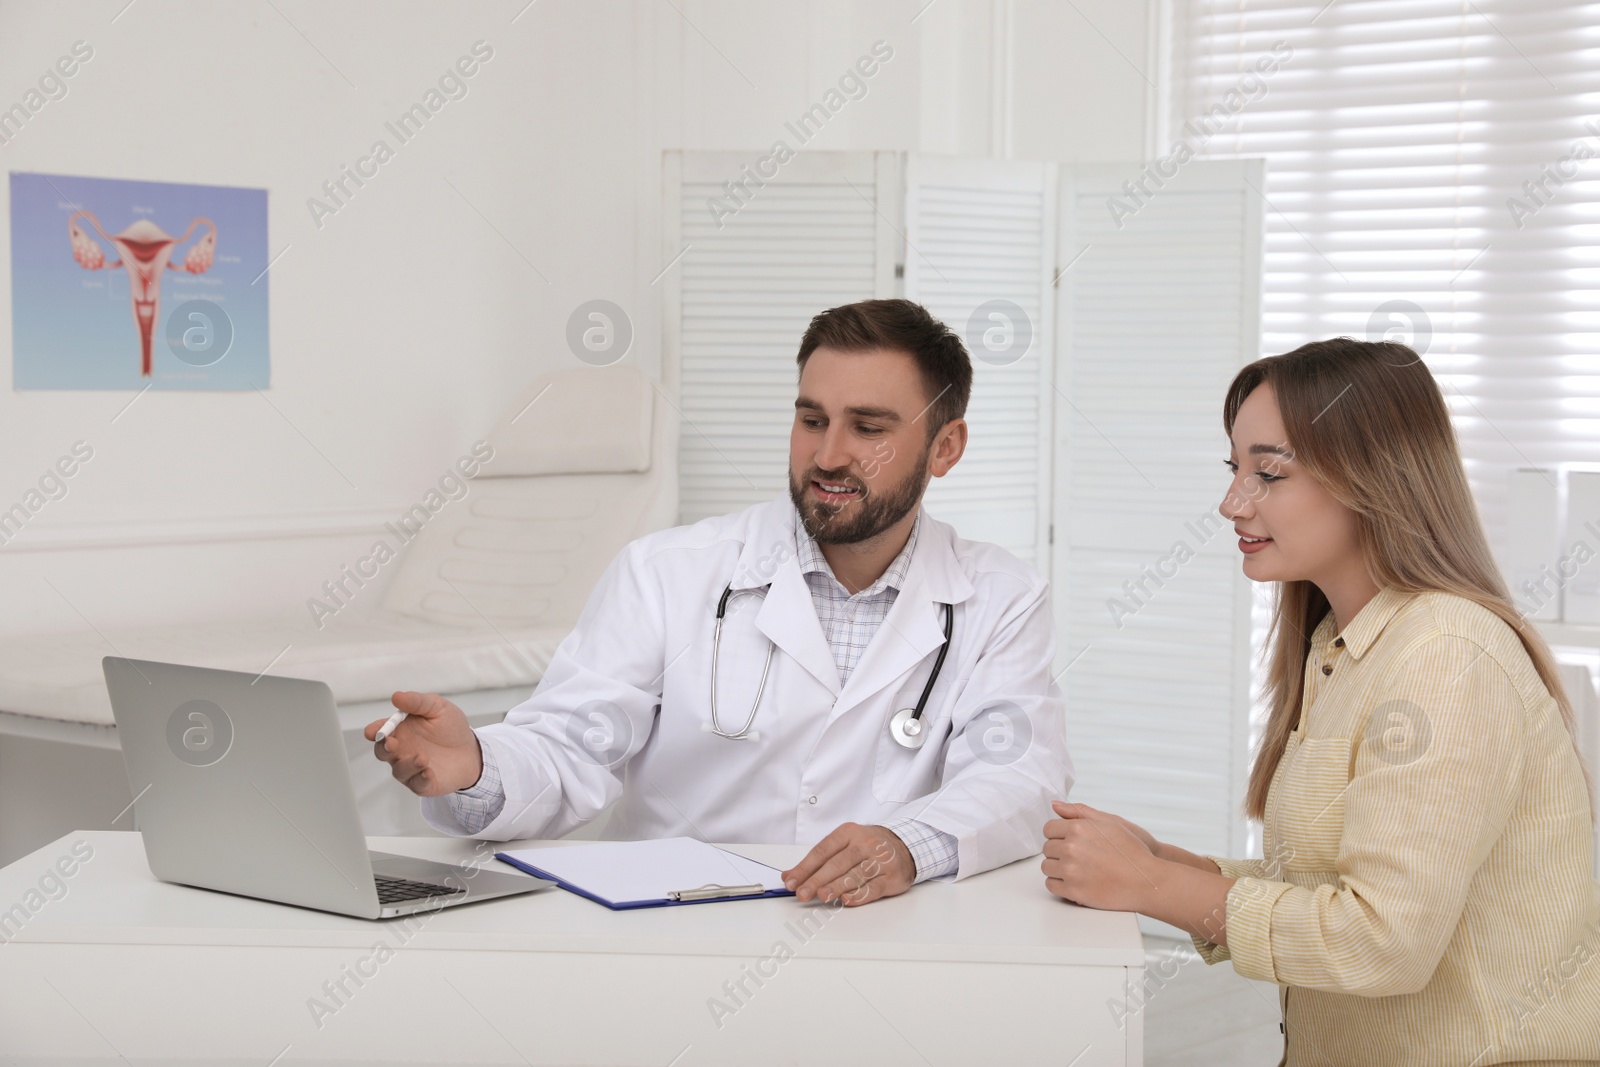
[757, 677]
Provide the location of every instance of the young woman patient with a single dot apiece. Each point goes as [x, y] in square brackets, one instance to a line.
[1427, 895]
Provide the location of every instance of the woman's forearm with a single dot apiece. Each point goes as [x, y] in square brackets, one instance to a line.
[1174, 854]
[1189, 897]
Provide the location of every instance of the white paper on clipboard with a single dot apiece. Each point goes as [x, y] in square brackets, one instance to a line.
[623, 873]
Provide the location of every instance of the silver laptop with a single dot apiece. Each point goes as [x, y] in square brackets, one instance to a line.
[242, 785]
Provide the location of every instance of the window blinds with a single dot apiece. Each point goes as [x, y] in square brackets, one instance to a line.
[1432, 179]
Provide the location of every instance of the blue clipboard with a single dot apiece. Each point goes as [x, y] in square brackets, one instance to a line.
[614, 873]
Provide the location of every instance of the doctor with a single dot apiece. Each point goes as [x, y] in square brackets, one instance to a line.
[831, 666]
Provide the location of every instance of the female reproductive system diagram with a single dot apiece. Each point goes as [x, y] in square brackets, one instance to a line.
[146, 250]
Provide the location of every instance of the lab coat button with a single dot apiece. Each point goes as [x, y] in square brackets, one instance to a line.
[812, 800]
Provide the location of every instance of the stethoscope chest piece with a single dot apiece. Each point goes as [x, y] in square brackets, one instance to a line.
[906, 728]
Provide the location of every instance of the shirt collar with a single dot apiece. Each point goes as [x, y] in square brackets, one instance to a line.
[812, 560]
[1362, 631]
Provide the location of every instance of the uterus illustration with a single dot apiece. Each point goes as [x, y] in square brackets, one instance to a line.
[146, 252]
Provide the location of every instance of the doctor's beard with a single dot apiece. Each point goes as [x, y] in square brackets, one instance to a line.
[874, 511]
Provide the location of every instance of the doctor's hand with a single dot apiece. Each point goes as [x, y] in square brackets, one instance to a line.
[1099, 860]
[433, 751]
[856, 864]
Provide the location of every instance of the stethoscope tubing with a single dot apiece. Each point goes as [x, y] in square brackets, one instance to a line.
[938, 663]
[755, 706]
[761, 687]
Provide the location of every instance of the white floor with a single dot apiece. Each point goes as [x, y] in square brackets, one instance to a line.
[1197, 1014]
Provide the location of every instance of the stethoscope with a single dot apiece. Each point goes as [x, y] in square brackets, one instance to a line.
[905, 727]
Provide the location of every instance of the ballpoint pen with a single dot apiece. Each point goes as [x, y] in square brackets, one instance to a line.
[716, 892]
[388, 727]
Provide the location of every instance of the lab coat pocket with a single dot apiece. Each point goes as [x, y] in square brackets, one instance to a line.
[1310, 801]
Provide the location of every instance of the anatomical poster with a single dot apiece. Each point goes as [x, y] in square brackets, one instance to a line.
[128, 285]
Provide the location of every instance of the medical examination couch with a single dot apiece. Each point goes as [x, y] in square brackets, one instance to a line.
[584, 461]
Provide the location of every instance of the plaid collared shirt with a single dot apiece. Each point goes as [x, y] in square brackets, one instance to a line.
[849, 622]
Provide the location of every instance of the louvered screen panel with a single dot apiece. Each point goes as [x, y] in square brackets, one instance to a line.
[809, 239]
[979, 231]
[1156, 317]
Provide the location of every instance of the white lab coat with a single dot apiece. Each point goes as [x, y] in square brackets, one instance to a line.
[620, 713]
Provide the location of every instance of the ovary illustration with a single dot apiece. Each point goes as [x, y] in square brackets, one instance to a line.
[146, 251]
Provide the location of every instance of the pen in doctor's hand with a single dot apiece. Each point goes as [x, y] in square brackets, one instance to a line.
[436, 753]
[388, 727]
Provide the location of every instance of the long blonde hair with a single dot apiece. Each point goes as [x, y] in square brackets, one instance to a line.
[1368, 423]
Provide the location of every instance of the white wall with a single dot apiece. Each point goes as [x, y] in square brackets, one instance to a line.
[402, 326]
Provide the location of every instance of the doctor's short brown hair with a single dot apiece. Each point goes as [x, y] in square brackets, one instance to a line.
[904, 326]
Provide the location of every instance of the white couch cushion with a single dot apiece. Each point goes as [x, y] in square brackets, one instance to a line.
[524, 551]
[361, 657]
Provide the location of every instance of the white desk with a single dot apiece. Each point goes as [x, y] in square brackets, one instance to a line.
[990, 970]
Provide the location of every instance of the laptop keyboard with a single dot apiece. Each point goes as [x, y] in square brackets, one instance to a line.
[395, 890]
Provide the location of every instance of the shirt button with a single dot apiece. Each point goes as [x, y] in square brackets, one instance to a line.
[1326, 669]
[1338, 642]
[812, 800]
